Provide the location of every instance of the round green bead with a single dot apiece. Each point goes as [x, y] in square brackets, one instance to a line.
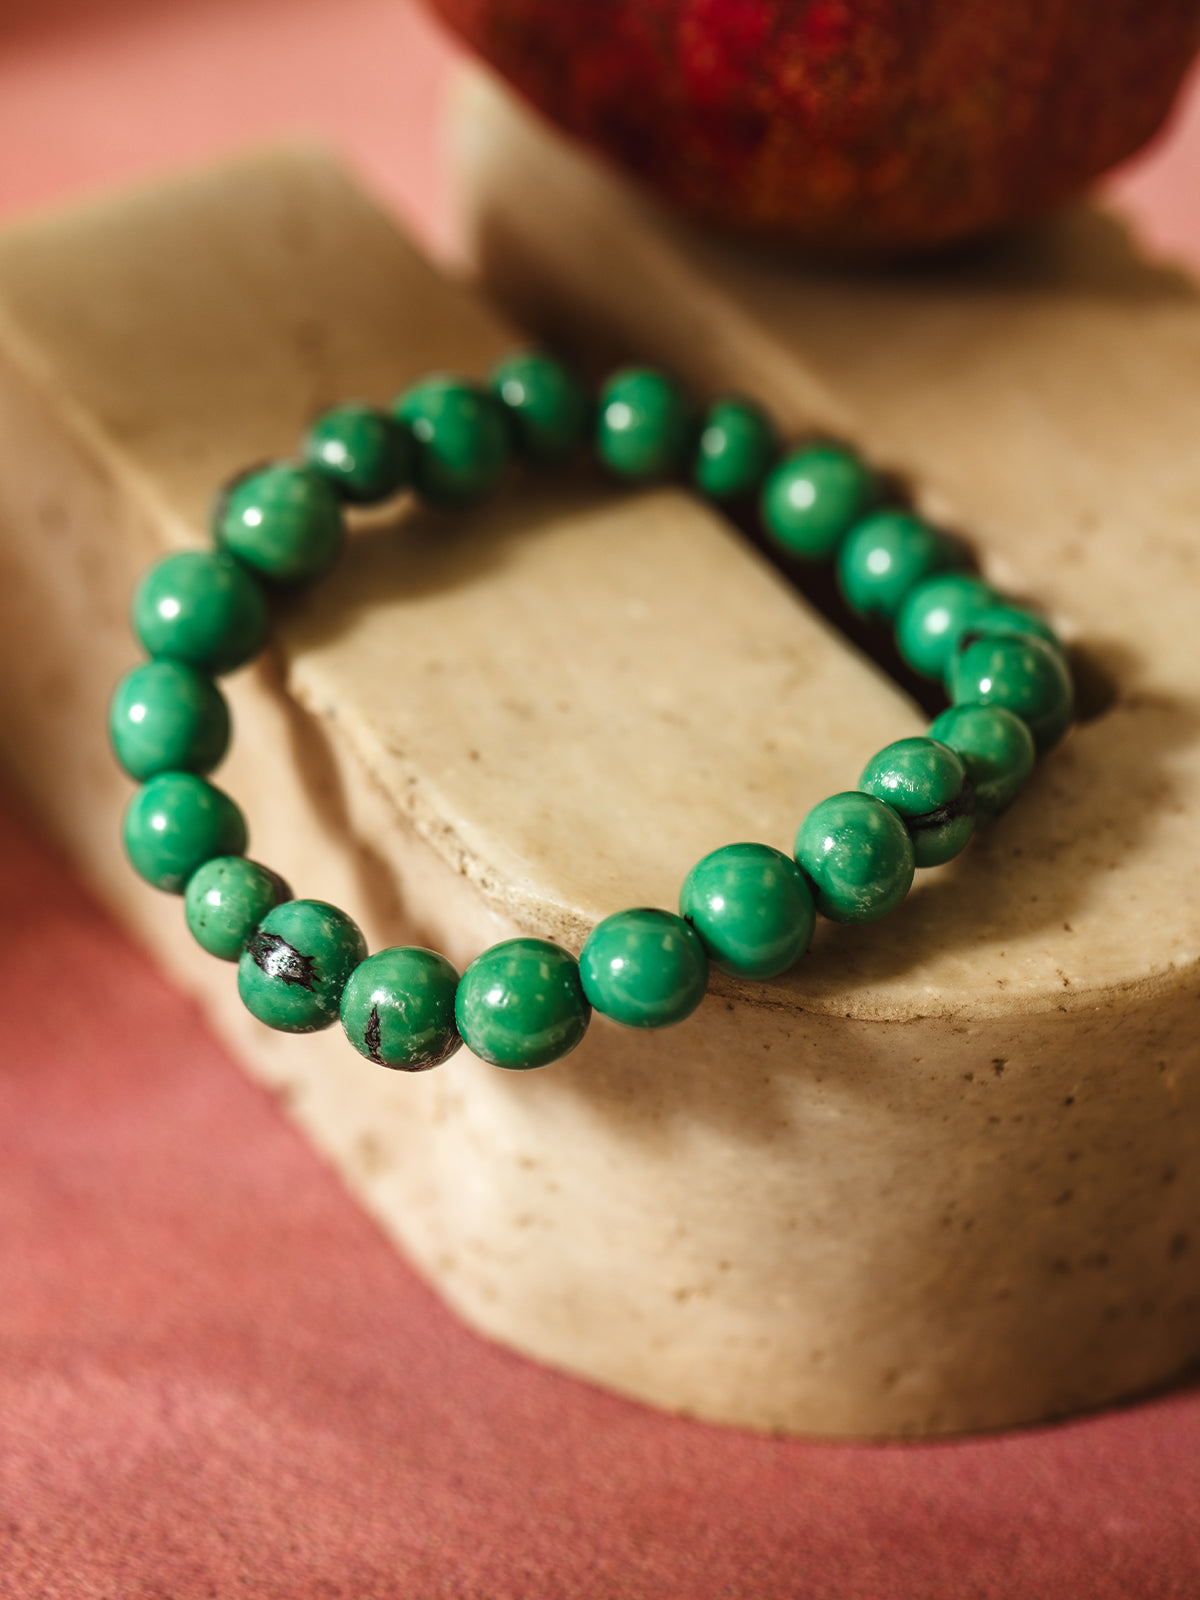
[933, 614]
[296, 964]
[165, 717]
[856, 853]
[735, 450]
[521, 1004]
[549, 410]
[283, 520]
[461, 438]
[884, 556]
[752, 909]
[927, 784]
[200, 607]
[177, 822]
[996, 748]
[1009, 622]
[813, 498]
[644, 968]
[226, 899]
[398, 1009]
[643, 425]
[365, 454]
[1023, 674]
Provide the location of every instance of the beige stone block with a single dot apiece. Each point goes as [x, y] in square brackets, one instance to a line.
[941, 1177]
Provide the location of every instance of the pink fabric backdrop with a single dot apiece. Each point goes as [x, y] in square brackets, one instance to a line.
[216, 1378]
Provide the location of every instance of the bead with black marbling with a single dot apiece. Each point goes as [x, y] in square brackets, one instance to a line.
[397, 1008]
[927, 785]
[296, 963]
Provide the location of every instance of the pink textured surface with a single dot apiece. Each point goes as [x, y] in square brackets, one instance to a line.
[216, 1378]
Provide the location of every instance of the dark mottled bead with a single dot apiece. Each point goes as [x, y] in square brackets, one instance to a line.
[812, 499]
[644, 968]
[203, 608]
[398, 1008]
[885, 556]
[521, 1004]
[856, 853]
[643, 425]
[736, 447]
[284, 521]
[365, 454]
[1023, 674]
[167, 717]
[177, 822]
[548, 408]
[927, 785]
[461, 436]
[996, 748]
[226, 899]
[296, 964]
[752, 908]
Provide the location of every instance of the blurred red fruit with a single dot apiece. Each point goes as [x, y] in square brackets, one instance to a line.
[860, 126]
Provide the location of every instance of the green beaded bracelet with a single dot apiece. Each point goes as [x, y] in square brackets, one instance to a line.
[747, 908]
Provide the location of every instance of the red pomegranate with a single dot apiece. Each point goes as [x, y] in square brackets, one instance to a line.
[850, 126]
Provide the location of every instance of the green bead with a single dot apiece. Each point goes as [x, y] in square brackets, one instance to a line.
[857, 854]
[885, 555]
[165, 717]
[933, 614]
[643, 426]
[177, 822]
[644, 968]
[226, 899]
[296, 964]
[736, 447]
[752, 909]
[996, 748]
[521, 1004]
[549, 410]
[461, 438]
[284, 521]
[927, 785]
[365, 454]
[200, 607]
[813, 498]
[398, 1009]
[1010, 622]
[1020, 673]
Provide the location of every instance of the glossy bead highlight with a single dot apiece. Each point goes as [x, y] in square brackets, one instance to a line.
[644, 968]
[1024, 675]
[226, 899]
[857, 855]
[813, 498]
[284, 521]
[885, 556]
[521, 1004]
[296, 964]
[167, 717]
[643, 425]
[461, 438]
[549, 411]
[752, 909]
[364, 453]
[177, 822]
[202, 608]
[996, 748]
[736, 447]
[932, 616]
[927, 785]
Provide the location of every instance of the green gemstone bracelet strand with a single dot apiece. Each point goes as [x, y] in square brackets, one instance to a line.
[747, 909]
